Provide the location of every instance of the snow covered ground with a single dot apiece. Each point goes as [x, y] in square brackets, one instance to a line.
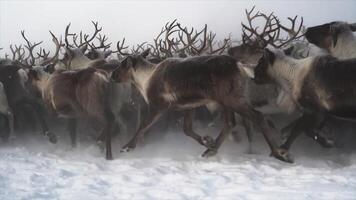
[171, 168]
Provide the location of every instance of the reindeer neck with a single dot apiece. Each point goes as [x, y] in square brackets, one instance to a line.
[141, 78]
[345, 47]
[289, 73]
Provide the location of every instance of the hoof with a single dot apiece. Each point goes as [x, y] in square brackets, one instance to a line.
[283, 155]
[208, 142]
[51, 137]
[209, 153]
[127, 148]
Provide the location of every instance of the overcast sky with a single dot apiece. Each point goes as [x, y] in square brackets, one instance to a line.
[140, 21]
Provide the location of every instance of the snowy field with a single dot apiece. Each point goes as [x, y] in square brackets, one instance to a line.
[171, 168]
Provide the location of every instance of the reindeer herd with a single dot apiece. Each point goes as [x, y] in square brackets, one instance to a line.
[276, 68]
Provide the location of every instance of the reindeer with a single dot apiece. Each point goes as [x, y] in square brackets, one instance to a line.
[74, 94]
[184, 84]
[265, 98]
[318, 86]
[336, 38]
[14, 78]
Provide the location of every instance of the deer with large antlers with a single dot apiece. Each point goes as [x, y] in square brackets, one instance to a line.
[184, 84]
[267, 98]
[74, 94]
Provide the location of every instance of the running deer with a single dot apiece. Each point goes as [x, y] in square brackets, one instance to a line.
[184, 84]
[74, 94]
[318, 86]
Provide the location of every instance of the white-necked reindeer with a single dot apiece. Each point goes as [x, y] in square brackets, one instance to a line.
[319, 86]
[184, 84]
[336, 38]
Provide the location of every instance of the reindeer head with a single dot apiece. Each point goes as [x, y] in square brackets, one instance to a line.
[326, 36]
[129, 66]
[264, 70]
[256, 38]
[247, 52]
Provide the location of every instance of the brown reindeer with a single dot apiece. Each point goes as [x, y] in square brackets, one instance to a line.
[75, 94]
[184, 84]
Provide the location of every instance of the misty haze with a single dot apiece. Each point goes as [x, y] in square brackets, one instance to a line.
[173, 99]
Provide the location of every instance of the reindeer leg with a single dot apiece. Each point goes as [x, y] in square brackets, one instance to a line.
[234, 133]
[45, 130]
[154, 114]
[245, 110]
[249, 135]
[228, 125]
[314, 134]
[206, 141]
[304, 123]
[72, 126]
[107, 131]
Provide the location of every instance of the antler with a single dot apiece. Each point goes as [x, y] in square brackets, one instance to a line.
[292, 33]
[270, 32]
[43, 54]
[58, 44]
[264, 37]
[102, 40]
[192, 39]
[17, 51]
[120, 48]
[96, 31]
[138, 49]
[30, 60]
[226, 43]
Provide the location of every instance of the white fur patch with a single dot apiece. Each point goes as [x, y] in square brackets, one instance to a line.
[213, 107]
[290, 73]
[170, 97]
[247, 69]
[345, 47]
[141, 78]
[102, 76]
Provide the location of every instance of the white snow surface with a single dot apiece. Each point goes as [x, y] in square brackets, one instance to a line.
[169, 166]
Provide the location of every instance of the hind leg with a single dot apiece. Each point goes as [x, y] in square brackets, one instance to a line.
[206, 141]
[154, 113]
[228, 125]
[241, 107]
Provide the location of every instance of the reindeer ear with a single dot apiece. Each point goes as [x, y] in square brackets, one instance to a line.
[288, 51]
[353, 27]
[269, 56]
[145, 53]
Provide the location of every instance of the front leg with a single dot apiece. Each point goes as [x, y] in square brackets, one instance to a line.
[154, 113]
[38, 109]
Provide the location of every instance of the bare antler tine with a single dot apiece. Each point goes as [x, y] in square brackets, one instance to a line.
[30, 60]
[58, 44]
[270, 32]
